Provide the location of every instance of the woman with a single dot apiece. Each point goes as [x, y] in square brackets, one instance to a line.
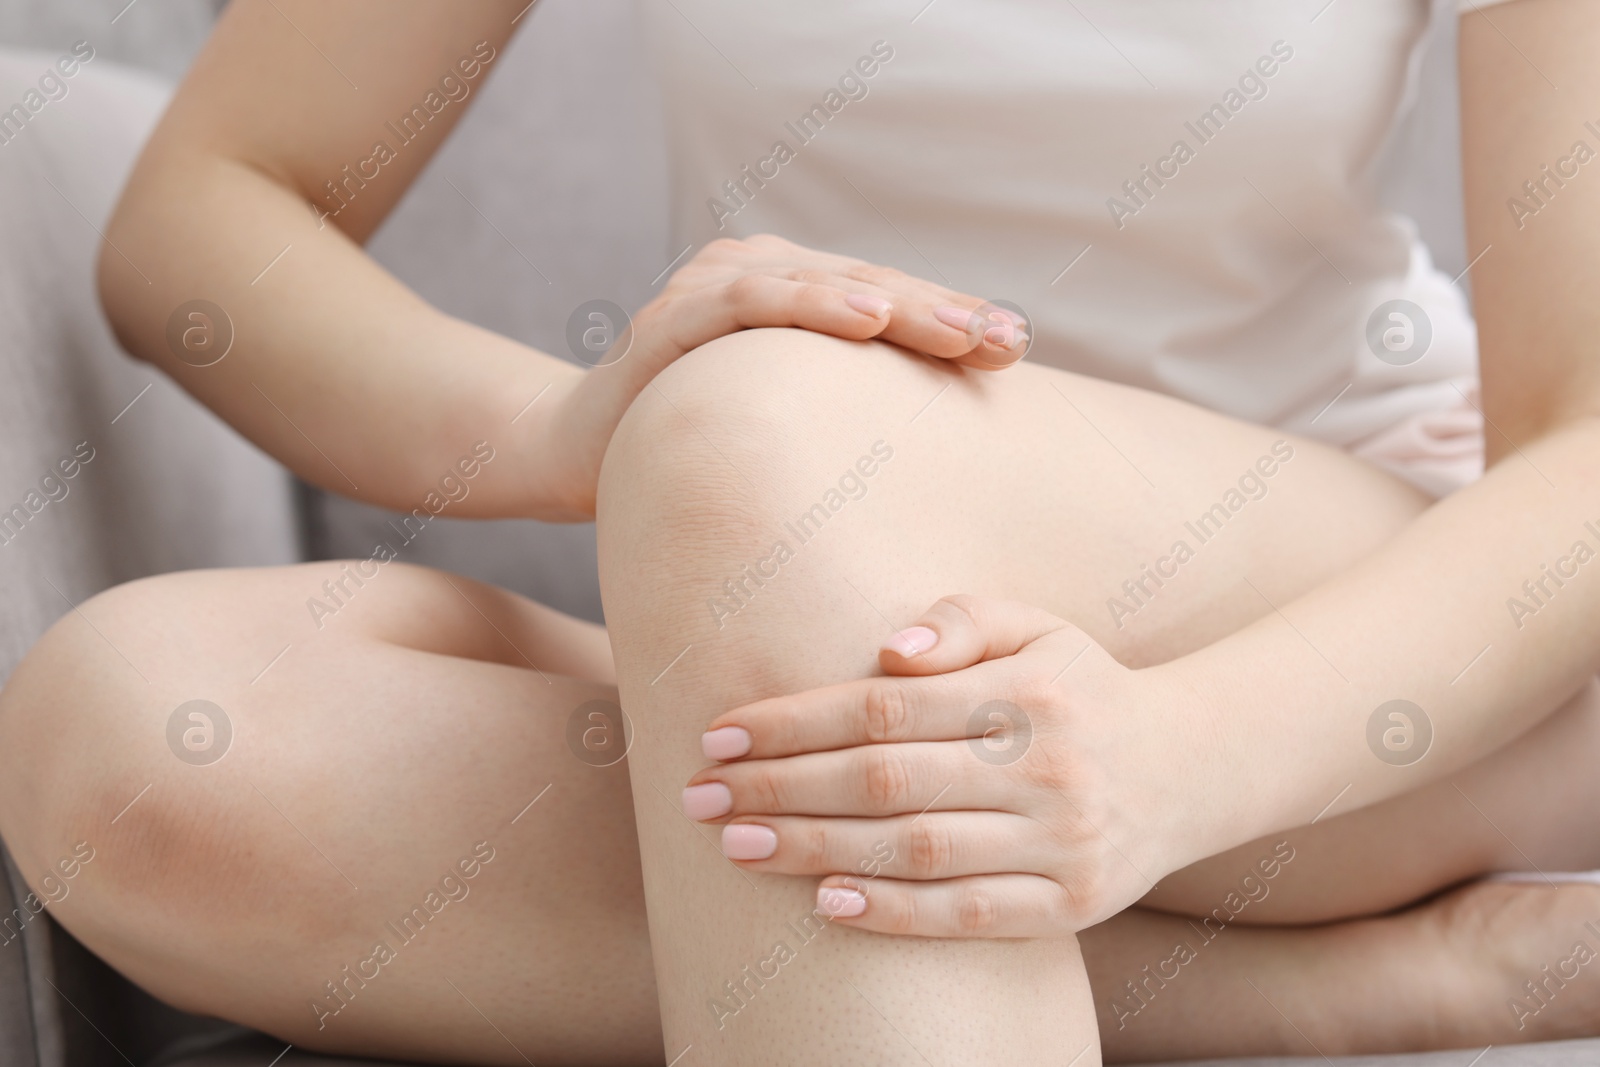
[774, 505]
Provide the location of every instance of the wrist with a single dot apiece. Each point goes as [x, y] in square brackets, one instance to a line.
[1237, 782]
[553, 476]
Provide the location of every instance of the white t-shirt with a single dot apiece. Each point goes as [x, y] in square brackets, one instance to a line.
[1179, 193]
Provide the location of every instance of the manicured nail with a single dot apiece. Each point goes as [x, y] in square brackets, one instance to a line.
[956, 318]
[875, 306]
[725, 742]
[910, 642]
[708, 801]
[990, 311]
[748, 841]
[839, 902]
[1005, 335]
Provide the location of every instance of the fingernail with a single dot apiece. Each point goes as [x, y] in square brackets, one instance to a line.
[1004, 336]
[707, 801]
[875, 306]
[748, 841]
[910, 642]
[957, 318]
[840, 903]
[725, 742]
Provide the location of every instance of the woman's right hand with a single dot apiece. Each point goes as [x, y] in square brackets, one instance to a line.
[764, 281]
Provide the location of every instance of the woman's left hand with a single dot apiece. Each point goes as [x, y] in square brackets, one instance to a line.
[1011, 779]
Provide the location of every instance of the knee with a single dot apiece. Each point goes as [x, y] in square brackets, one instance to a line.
[138, 850]
[719, 481]
[719, 436]
[68, 725]
[90, 711]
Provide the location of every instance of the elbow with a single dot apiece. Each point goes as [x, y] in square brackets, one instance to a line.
[127, 271]
[114, 280]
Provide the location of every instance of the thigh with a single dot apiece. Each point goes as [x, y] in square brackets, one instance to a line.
[1155, 525]
[404, 849]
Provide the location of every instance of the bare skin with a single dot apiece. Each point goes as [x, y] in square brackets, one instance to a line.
[365, 765]
[385, 745]
[1447, 974]
[252, 176]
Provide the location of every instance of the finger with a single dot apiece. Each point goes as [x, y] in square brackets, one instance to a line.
[960, 631]
[872, 780]
[922, 318]
[1007, 339]
[757, 300]
[932, 319]
[990, 905]
[872, 711]
[959, 329]
[1000, 337]
[935, 845]
[927, 317]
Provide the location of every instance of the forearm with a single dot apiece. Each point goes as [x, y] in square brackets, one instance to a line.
[335, 368]
[1480, 613]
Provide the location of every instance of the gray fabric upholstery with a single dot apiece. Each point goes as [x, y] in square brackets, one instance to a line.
[169, 487]
[253, 1050]
[20, 1041]
[163, 40]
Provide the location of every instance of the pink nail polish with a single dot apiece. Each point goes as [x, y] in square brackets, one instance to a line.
[1003, 335]
[995, 313]
[956, 318]
[911, 642]
[875, 306]
[748, 841]
[709, 801]
[725, 742]
[840, 902]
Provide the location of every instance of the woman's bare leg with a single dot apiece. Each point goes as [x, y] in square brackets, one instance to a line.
[400, 777]
[697, 484]
[1032, 485]
[1448, 973]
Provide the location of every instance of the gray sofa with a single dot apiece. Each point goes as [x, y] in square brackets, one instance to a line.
[170, 487]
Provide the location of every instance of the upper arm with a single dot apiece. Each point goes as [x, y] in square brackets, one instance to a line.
[1529, 83]
[300, 90]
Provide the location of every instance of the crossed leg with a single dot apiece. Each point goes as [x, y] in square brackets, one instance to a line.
[378, 788]
[1451, 972]
[778, 503]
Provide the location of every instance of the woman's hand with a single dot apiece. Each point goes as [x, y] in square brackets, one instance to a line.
[762, 282]
[1027, 785]
[767, 281]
